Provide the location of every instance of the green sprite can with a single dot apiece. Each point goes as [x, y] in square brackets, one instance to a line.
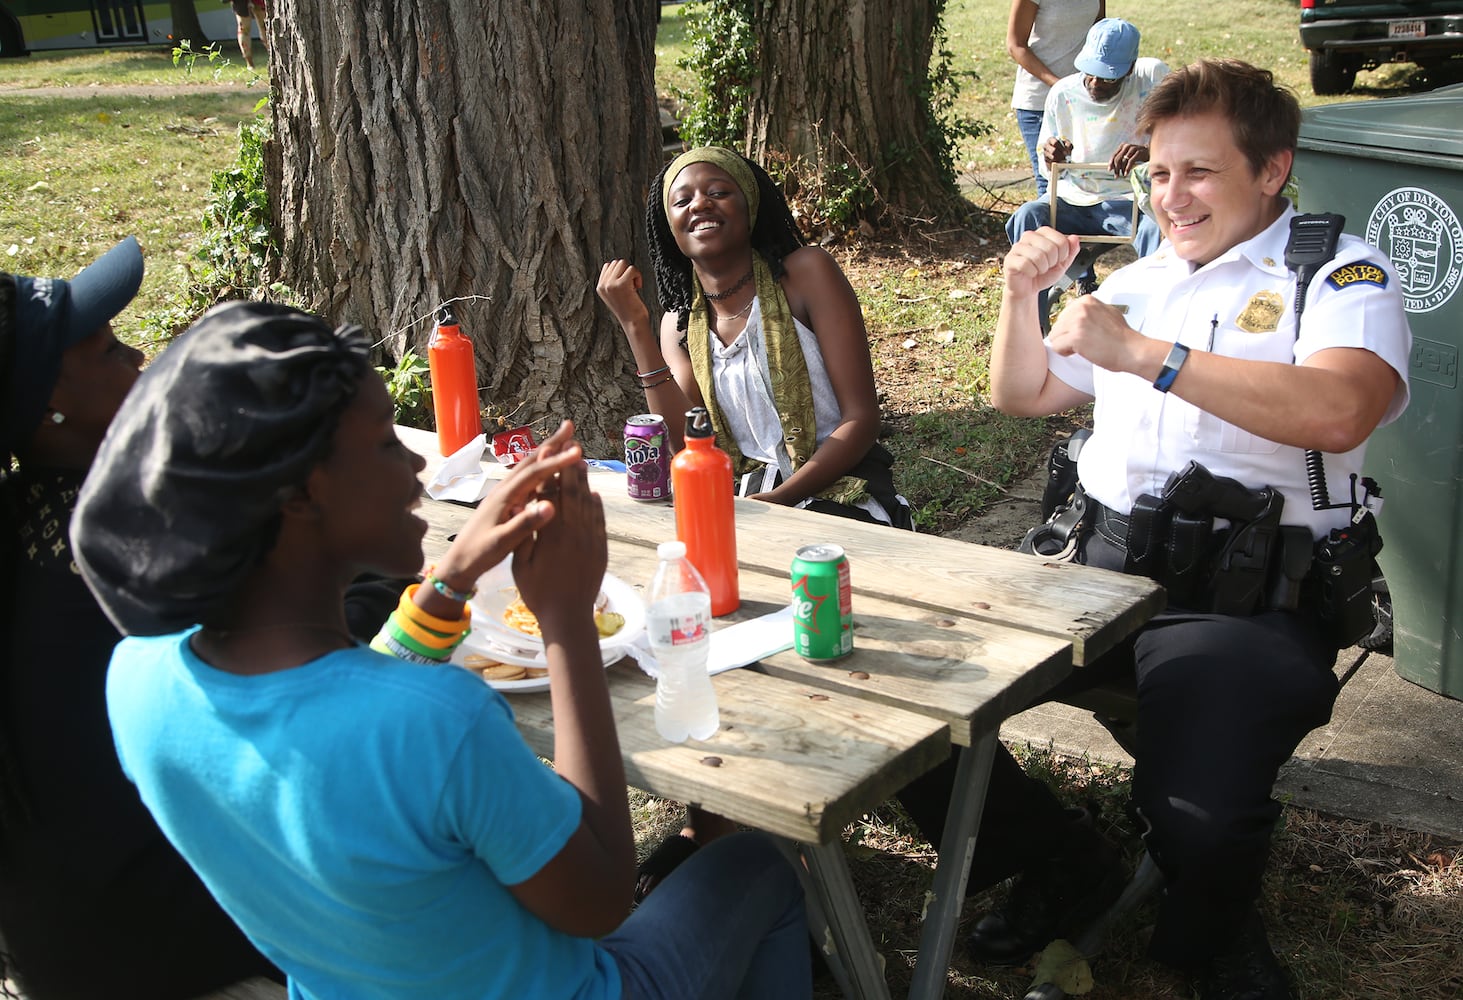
[822, 603]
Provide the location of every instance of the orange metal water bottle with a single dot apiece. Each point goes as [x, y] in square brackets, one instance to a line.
[701, 482]
[454, 385]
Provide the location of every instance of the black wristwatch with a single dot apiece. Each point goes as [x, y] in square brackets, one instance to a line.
[1177, 355]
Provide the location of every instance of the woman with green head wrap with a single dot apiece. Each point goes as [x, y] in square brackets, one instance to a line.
[765, 332]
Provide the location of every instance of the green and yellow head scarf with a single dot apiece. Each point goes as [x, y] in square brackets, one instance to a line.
[717, 156]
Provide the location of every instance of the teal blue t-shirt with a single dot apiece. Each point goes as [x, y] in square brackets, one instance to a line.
[360, 818]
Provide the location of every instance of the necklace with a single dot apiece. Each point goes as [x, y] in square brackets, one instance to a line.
[736, 315]
[718, 296]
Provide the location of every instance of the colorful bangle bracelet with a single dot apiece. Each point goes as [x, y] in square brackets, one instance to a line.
[409, 607]
[400, 637]
[384, 644]
[428, 638]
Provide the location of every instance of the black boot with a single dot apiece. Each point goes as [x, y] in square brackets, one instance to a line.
[1247, 970]
[1055, 898]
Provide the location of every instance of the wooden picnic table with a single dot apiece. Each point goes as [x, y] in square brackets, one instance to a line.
[950, 640]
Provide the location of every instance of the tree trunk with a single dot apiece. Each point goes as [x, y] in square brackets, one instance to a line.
[185, 24]
[842, 91]
[495, 154]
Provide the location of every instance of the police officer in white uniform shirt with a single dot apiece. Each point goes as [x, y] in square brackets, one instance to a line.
[1194, 354]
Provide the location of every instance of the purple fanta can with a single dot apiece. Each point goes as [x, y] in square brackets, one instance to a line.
[647, 457]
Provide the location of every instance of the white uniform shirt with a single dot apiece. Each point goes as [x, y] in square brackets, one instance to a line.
[1096, 129]
[1057, 35]
[1142, 435]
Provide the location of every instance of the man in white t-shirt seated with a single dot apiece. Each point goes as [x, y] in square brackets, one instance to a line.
[1092, 117]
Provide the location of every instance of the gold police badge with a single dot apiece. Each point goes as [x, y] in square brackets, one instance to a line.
[1262, 313]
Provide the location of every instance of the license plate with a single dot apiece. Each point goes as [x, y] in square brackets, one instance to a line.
[1406, 29]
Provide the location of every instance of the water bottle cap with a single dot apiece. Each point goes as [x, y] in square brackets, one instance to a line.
[698, 423]
[445, 317]
[671, 550]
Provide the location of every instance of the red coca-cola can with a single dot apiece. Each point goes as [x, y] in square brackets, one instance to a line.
[513, 446]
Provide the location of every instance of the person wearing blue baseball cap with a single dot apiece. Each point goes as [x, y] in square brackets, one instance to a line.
[93, 900]
[1091, 116]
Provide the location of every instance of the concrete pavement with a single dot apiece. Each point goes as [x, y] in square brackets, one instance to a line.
[1392, 752]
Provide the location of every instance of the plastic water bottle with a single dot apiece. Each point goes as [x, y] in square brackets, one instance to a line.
[679, 622]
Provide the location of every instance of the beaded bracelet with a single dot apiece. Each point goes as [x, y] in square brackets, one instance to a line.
[409, 607]
[385, 644]
[655, 385]
[446, 591]
[652, 372]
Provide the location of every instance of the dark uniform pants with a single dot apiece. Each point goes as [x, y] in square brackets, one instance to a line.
[1223, 702]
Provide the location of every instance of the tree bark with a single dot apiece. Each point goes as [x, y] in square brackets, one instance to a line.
[841, 86]
[185, 24]
[492, 153]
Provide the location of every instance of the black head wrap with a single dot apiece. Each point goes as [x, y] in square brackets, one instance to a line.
[184, 497]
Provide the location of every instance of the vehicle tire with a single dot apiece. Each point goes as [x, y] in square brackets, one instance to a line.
[1331, 73]
[12, 43]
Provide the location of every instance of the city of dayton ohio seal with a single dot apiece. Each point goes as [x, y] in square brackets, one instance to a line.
[1421, 234]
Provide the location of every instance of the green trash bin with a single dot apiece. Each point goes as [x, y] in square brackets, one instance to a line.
[1394, 168]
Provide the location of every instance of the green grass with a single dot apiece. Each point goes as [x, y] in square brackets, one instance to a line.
[81, 171]
[134, 67]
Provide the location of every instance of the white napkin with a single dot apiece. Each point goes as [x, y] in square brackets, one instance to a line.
[461, 476]
[731, 647]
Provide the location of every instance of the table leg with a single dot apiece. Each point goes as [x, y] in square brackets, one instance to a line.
[837, 922]
[957, 847]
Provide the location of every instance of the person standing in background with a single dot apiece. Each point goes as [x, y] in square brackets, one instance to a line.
[1043, 38]
[249, 13]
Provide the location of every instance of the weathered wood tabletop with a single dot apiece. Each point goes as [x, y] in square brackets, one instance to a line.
[950, 640]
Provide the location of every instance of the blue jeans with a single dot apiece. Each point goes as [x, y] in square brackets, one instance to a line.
[1029, 122]
[728, 923]
[1107, 218]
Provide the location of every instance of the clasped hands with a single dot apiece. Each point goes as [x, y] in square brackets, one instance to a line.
[1087, 326]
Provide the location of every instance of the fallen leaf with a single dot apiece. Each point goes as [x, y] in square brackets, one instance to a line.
[14, 249]
[39, 186]
[911, 342]
[960, 293]
[103, 117]
[1062, 965]
[912, 272]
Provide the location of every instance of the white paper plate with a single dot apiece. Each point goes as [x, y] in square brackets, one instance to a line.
[485, 646]
[496, 591]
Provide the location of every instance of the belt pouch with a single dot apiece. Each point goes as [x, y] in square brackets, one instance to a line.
[1190, 537]
[1239, 575]
[1288, 570]
[1147, 535]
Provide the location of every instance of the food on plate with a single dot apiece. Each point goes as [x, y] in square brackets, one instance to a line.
[492, 670]
[517, 616]
[533, 673]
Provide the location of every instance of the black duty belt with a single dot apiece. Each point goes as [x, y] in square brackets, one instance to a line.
[1108, 523]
